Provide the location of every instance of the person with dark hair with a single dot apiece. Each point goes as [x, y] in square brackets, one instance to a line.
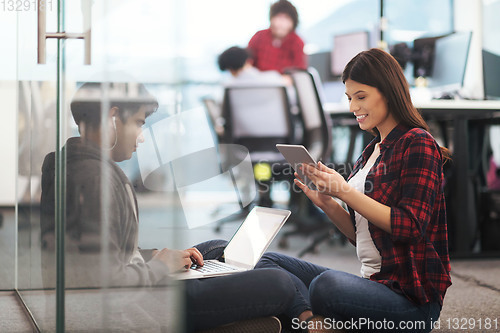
[102, 220]
[279, 47]
[238, 62]
[233, 59]
[104, 140]
[396, 215]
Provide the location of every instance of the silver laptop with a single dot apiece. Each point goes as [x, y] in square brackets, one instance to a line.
[246, 247]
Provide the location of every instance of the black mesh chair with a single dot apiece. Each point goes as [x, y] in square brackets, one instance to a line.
[214, 111]
[317, 138]
[258, 117]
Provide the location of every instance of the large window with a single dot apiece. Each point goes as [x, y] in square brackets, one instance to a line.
[409, 19]
[491, 26]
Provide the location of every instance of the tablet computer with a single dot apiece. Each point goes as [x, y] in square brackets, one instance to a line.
[296, 155]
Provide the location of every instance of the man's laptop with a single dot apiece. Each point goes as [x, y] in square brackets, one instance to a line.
[246, 247]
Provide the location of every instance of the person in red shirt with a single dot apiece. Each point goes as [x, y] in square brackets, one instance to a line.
[396, 215]
[279, 47]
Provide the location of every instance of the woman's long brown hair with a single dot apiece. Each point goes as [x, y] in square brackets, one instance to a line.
[378, 69]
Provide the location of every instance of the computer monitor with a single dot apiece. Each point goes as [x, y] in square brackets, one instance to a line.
[321, 62]
[491, 75]
[450, 61]
[422, 55]
[345, 47]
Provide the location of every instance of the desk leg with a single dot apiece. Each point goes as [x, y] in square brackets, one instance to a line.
[463, 219]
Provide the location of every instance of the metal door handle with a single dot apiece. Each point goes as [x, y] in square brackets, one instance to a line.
[43, 34]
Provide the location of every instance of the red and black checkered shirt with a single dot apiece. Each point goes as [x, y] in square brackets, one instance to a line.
[408, 177]
[266, 56]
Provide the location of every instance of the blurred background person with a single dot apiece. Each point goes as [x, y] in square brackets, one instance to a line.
[238, 62]
[279, 47]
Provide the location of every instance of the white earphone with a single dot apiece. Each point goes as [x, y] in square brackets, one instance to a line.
[116, 134]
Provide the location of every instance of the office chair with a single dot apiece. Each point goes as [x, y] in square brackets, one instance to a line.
[317, 125]
[258, 117]
[317, 138]
[214, 111]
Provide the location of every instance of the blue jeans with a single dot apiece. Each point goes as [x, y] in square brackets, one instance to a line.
[216, 301]
[350, 300]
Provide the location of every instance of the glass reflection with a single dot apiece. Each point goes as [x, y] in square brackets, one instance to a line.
[36, 136]
[101, 207]
[105, 270]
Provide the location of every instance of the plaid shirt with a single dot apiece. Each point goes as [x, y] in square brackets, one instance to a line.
[408, 177]
[268, 57]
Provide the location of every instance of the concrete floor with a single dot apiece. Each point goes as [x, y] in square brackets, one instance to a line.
[12, 315]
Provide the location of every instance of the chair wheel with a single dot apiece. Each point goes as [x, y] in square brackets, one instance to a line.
[283, 243]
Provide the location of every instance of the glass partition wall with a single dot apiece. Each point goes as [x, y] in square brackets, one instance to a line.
[94, 79]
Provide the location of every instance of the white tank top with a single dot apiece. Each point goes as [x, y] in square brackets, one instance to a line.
[367, 253]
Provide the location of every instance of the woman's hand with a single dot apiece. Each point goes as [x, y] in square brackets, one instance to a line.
[335, 212]
[327, 181]
[330, 182]
[319, 199]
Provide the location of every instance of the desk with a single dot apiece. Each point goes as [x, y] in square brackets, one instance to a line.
[450, 107]
[465, 116]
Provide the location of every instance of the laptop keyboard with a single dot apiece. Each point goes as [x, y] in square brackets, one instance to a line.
[212, 267]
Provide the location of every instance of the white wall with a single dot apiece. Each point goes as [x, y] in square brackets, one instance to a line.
[8, 138]
[468, 17]
[491, 26]
[8, 98]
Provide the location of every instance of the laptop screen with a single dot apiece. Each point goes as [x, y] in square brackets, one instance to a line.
[254, 236]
